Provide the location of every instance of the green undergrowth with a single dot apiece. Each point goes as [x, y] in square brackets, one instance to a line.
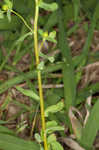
[61, 74]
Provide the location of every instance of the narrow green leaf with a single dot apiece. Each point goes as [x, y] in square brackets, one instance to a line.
[68, 67]
[76, 4]
[51, 22]
[5, 130]
[3, 122]
[6, 102]
[8, 142]
[91, 128]
[86, 48]
[29, 93]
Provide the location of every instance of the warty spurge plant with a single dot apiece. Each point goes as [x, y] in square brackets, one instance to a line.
[39, 3]
[39, 73]
[7, 7]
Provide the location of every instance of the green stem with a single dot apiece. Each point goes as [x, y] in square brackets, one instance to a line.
[41, 45]
[39, 74]
[17, 14]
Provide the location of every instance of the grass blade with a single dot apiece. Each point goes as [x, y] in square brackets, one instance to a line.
[76, 5]
[16, 143]
[68, 68]
[92, 126]
[87, 45]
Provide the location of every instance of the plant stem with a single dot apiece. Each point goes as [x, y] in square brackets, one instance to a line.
[26, 24]
[39, 73]
[41, 45]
